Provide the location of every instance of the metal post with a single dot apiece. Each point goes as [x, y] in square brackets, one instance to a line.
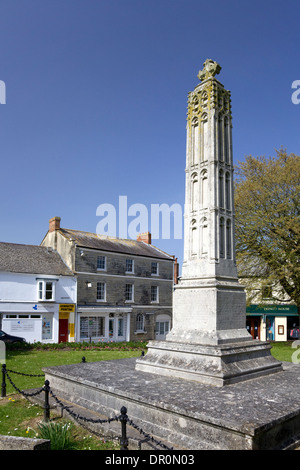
[3, 388]
[123, 419]
[46, 405]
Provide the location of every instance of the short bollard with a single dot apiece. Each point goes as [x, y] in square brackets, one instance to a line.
[3, 387]
[46, 404]
[123, 419]
[83, 359]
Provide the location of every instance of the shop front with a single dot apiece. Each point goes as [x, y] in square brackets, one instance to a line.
[103, 324]
[272, 322]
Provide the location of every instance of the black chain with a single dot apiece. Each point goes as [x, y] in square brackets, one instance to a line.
[78, 416]
[23, 373]
[147, 436]
[26, 394]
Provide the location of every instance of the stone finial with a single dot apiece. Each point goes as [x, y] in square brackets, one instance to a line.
[211, 68]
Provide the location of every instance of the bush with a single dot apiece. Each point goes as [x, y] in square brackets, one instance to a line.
[125, 346]
[59, 434]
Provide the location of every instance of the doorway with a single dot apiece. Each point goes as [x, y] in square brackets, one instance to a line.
[253, 327]
[63, 330]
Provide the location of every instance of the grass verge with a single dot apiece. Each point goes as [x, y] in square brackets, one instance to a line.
[18, 417]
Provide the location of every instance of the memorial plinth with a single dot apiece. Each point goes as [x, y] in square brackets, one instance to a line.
[209, 342]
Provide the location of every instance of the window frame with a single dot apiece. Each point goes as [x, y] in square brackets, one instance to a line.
[140, 323]
[128, 262]
[154, 298]
[155, 264]
[43, 292]
[100, 259]
[128, 291]
[104, 291]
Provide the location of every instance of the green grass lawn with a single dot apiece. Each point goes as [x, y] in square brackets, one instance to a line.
[18, 417]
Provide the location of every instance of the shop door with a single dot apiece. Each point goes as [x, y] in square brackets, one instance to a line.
[253, 327]
[63, 330]
[161, 329]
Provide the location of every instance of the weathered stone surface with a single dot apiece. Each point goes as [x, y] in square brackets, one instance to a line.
[23, 443]
[209, 304]
[256, 414]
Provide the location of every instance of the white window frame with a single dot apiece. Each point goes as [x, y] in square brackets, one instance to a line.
[127, 292]
[42, 291]
[104, 292]
[140, 323]
[153, 265]
[129, 260]
[156, 291]
[103, 259]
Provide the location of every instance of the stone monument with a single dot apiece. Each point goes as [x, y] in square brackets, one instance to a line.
[209, 342]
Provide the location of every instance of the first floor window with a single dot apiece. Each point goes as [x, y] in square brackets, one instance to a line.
[101, 262]
[100, 290]
[154, 293]
[46, 290]
[129, 292]
[140, 322]
[154, 268]
[129, 266]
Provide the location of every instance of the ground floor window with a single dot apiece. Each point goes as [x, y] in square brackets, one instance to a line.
[47, 327]
[140, 322]
[106, 327]
[91, 327]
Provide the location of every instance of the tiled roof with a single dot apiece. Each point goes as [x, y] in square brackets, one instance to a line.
[104, 243]
[31, 259]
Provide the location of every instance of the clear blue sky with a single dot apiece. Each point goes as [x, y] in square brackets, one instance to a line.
[96, 94]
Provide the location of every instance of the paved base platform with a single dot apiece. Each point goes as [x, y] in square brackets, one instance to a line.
[261, 413]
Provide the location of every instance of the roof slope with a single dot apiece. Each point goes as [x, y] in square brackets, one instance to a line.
[31, 259]
[118, 245]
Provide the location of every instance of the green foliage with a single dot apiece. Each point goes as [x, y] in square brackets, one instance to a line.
[267, 208]
[60, 434]
[80, 346]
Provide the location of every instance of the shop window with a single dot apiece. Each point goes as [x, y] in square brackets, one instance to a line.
[120, 326]
[91, 327]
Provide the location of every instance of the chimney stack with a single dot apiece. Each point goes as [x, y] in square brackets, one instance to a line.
[144, 237]
[54, 224]
[176, 270]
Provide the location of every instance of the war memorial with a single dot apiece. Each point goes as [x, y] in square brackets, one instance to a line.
[209, 385]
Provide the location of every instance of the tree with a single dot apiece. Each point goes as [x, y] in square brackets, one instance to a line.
[267, 209]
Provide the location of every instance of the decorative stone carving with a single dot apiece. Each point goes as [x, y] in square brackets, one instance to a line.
[211, 68]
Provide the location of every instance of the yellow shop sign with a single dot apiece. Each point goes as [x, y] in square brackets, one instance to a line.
[66, 308]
